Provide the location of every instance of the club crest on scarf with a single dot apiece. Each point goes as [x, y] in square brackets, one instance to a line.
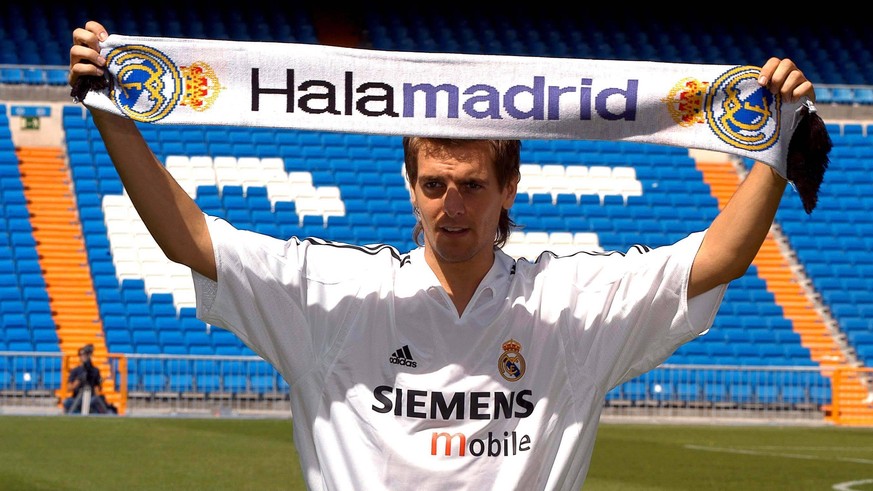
[737, 109]
[201, 86]
[150, 86]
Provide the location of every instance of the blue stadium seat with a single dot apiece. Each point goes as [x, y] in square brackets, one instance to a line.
[263, 383]
[147, 336]
[51, 379]
[12, 75]
[282, 384]
[26, 381]
[146, 365]
[232, 367]
[207, 383]
[170, 337]
[19, 333]
[689, 391]
[45, 339]
[741, 392]
[152, 382]
[824, 95]
[181, 382]
[716, 392]
[235, 383]
[228, 350]
[198, 337]
[794, 394]
[34, 76]
[121, 348]
[55, 76]
[635, 390]
[142, 328]
[221, 337]
[148, 349]
[768, 394]
[746, 353]
[820, 394]
[189, 323]
[842, 95]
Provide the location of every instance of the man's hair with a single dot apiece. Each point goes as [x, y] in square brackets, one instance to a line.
[505, 154]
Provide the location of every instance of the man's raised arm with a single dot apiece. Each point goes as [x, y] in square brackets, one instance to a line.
[737, 233]
[170, 214]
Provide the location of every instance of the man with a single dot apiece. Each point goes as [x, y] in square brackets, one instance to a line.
[83, 377]
[451, 366]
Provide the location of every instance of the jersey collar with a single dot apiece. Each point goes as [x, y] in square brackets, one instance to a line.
[493, 286]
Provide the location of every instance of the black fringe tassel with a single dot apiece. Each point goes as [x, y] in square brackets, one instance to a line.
[89, 83]
[808, 157]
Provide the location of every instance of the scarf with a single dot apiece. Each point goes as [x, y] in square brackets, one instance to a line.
[722, 108]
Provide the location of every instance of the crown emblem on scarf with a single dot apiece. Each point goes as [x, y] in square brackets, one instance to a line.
[201, 86]
[685, 101]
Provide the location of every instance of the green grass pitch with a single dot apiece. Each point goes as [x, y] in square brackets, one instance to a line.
[97, 453]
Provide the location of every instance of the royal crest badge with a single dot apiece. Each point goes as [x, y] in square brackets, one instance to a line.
[511, 364]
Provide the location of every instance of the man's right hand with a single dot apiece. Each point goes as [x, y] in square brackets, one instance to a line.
[85, 59]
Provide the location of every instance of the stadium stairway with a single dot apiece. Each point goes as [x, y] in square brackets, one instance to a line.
[53, 215]
[775, 269]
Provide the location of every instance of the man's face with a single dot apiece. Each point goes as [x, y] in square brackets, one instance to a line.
[459, 200]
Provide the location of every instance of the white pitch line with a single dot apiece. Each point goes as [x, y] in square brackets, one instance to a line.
[850, 486]
[775, 454]
[836, 449]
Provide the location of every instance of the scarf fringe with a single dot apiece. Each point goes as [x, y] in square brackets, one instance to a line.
[808, 156]
[88, 84]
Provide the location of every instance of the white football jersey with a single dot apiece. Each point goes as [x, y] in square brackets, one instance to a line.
[392, 389]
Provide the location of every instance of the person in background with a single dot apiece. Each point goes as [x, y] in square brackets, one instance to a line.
[83, 377]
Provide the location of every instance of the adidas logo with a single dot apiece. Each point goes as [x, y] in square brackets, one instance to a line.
[402, 357]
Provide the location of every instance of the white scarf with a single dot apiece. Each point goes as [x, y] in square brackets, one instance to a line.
[317, 87]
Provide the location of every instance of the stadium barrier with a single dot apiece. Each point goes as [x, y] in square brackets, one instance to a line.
[215, 385]
[36, 383]
[725, 393]
[852, 403]
[32, 382]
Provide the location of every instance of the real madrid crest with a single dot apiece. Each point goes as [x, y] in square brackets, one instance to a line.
[511, 364]
[736, 108]
[741, 112]
[150, 85]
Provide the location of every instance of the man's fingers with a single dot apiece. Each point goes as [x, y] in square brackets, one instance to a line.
[84, 37]
[98, 30]
[89, 38]
[84, 62]
[777, 71]
[767, 71]
[79, 54]
[781, 76]
[804, 89]
[791, 82]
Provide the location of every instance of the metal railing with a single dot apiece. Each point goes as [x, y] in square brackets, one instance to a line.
[248, 385]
